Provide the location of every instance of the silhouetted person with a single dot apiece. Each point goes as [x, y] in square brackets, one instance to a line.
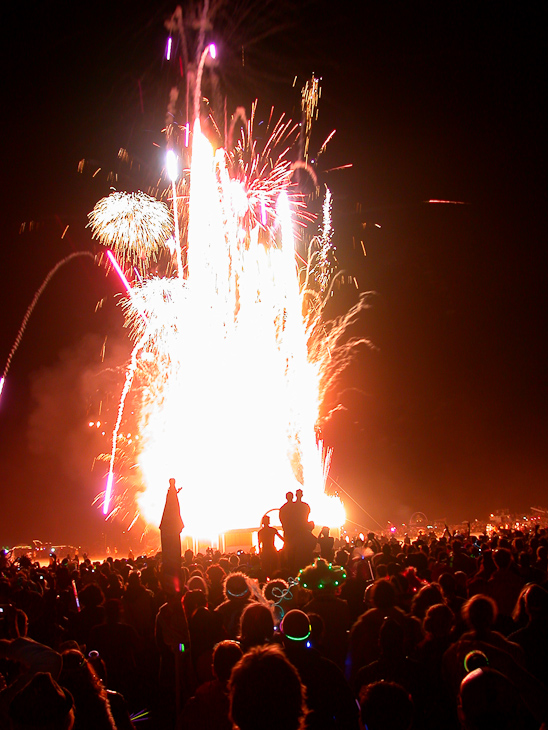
[91, 704]
[288, 521]
[42, 704]
[329, 698]
[268, 552]
[238, 596]
[118, 645]
[302, 509]
[490, 701]
[324, 581]
[393, 665]
[173, 641]
[364, 636]
[209, 708]
[533, 638]
[215, 576]
[286, 513]
[304, 539]
[256, 626]
[171, 527]
[504, 586]
[326, 543]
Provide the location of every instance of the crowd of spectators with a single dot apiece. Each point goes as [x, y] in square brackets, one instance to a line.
[438, 632]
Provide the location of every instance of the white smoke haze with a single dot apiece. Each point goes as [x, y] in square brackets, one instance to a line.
[66, 398]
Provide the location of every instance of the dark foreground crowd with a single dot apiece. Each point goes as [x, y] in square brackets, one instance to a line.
[435, 633]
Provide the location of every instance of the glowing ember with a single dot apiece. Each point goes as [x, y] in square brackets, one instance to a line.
[229, 397]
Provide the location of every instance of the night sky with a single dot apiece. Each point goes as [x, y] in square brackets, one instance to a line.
[446, 411]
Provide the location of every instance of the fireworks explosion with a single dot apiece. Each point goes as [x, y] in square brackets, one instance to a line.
[229, 347]
[135, 225]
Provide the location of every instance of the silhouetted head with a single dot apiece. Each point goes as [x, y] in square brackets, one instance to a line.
[91, 596]
[383, 595]
[386, 705]
[438, 620]
[480, 613]
[536, 602]
[490, 701]
[42, 703]
[215, 574]
[225, 656]
[192, 600]
[322, 577]
[197, 583]
[236, 586]
[266, 692]
[502, 558]
[427, 596]
[256, 625]
[113, 610]
[391, 638]
[295, 628]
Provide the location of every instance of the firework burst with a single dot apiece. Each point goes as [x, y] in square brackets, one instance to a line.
[135, 225]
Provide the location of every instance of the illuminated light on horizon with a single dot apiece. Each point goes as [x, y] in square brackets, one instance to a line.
[168, 48]
[447, 202]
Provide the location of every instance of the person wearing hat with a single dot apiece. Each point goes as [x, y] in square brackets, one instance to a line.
[329, 697]
[42, 705]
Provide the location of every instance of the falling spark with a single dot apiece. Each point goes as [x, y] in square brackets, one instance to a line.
[340, 167]
[324, 145]
[310, 96]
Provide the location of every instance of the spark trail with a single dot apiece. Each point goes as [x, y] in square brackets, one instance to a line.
[31, 307]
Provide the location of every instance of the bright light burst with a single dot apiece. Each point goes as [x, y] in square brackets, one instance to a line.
[229, 396]
[135, 225]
